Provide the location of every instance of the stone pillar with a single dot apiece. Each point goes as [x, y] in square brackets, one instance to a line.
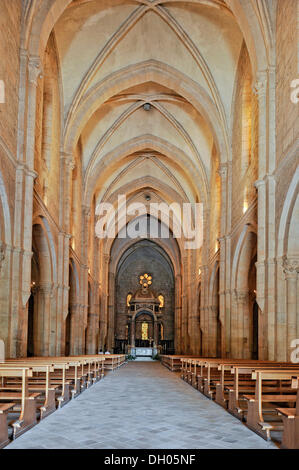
[67, 166]
[213, 312]
[241, 335]
[291, 270]
[34, 71]
[222, 300]
[133, 327]
[86, 213]
[21, 256]
[260, 90]
[224, 311]
[110, 310]
[270, 267]
[156, 334]
[178, 315]
[47, 130]
[46, 292]
[105, 296]
[75, 340]
[204, 311]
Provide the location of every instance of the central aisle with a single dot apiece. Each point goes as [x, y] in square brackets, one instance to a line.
[141, 406]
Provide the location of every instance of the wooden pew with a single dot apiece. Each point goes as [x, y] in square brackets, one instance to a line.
[94, 367]
[73, 373]
[244, 384]
[290, 417]
[114, 361]
[58, 376]
[174, 362]
[24, 401]
[263, 403]
[67, 369]
[218, 375]
[207, 373]
[4, 410]
[47, 390]
[226, 382]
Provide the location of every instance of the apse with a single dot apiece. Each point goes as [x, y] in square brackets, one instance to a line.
[145, 259]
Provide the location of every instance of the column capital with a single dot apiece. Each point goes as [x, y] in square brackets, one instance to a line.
[23, 168]
[290, 266]
[35, 69]
[259, 183]
[223, 170]
[24, 53]
[260, 86]
[47, 289]
[86, 210]
[241, 296]
[68, 160]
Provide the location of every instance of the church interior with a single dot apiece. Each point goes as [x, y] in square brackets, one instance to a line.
[165, 103]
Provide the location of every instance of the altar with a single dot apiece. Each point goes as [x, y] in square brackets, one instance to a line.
[143, 352]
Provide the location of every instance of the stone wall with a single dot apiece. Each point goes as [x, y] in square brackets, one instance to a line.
[287, 122]
[10, 29]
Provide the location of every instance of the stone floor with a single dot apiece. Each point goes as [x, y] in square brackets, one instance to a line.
[141, 406]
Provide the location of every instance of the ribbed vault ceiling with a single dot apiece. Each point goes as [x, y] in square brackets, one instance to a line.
[102, 45]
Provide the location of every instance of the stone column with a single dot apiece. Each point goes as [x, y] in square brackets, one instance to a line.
[34, 71]
[67, 166]
[156, 334]
[75, 340]
[133, 333]
[291, 270]
[224, 311]
[222, 299]
[178, 315]
[260, 268]
[260, 90]
[46, 292]
[106, 261]
[86, 213]
[242, 323]
[111, 310]
[213, 312]
[270, 266]
[30, 69]
[204, 315]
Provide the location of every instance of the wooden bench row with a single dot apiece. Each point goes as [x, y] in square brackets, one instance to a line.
[263, 394]
[173, 363]
[33, 388]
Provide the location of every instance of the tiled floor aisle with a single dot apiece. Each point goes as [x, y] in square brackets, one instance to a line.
[141, 406]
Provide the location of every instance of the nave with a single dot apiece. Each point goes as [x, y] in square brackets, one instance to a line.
[141, 406]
